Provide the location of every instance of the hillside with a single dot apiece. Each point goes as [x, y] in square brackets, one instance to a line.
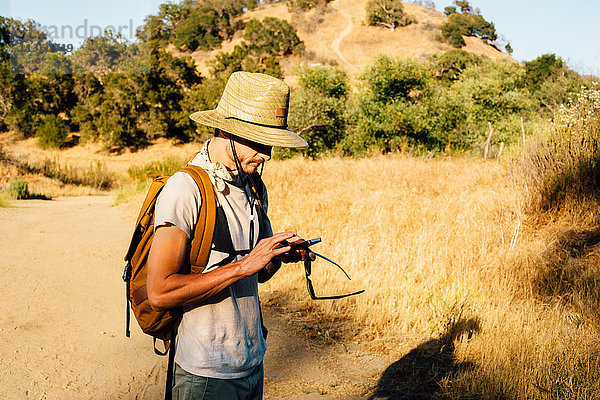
[337, 33]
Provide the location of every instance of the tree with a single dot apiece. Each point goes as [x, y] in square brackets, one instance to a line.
[244, 58]
[121, 108]
[305, 5]
[272, 36]
[390, 80]
[465, 7]
[200, 29]
[100, 55]
[466, 23]
[542, 68]
[550, 81]
[449, 10]
[52, 131]
[387, 13]
[160, 27]
[264, 41]
[194, 25]
[389, 113]
[450, 65]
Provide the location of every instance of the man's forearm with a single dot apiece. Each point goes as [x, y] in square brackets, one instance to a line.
[178, 290]
[169, 288]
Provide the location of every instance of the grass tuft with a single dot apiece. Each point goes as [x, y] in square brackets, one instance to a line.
[154, 169]
[130, 192]
[141, 176]
[19, 190]
[96, 175]
[3, 201]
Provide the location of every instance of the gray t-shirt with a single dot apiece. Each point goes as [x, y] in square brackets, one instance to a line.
[221, 338]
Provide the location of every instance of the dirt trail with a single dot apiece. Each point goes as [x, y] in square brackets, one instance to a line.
[335, 45]
[62, 319]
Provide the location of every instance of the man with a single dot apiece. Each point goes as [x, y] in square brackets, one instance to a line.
[220, 342]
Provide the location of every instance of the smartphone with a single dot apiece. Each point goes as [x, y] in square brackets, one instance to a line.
[301, 245]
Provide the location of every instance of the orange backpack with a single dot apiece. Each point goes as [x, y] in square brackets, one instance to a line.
[163, 324]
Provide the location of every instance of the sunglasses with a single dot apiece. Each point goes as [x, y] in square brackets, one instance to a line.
[309, 285]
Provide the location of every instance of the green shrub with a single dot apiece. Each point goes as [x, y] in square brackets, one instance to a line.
[550, 81]
[317, 109]
[450, 65]
[19, 189]
[542, 68]
[272, 36]
[328, 81]
[490, 92]
[52, 131]
[496, 89]
[318, 119]
[451, 120]
[389, 114]
[388, 79]
[376, 126]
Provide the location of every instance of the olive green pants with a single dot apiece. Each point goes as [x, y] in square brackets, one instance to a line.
[187, 386]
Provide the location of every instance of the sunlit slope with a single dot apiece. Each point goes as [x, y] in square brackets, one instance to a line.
[338, 34]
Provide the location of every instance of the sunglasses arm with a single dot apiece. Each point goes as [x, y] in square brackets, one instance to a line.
[309, 286]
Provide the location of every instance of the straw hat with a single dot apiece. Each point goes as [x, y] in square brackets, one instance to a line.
[255, 107]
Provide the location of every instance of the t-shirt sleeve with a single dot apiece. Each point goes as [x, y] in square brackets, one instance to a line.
[178, 203]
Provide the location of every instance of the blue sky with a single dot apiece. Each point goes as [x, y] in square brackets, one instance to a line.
[534, 27]
[570, 29]
[72, 20]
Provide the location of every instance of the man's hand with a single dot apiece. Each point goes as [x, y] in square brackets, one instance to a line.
[267, 250]
[296, 255]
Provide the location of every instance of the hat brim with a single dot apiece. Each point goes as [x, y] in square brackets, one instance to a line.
[267, 135]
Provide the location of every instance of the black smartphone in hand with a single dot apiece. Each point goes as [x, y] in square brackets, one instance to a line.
[305, 244]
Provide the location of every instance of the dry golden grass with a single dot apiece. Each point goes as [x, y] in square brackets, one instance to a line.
[420, 235]
[445, 253]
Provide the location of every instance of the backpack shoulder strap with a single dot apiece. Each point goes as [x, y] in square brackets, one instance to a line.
[146, 216]
[205, 227]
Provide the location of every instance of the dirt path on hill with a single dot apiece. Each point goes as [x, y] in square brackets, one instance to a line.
[335, 45]
[62, 320]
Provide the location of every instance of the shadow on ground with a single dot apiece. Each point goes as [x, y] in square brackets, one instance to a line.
[417, 375]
